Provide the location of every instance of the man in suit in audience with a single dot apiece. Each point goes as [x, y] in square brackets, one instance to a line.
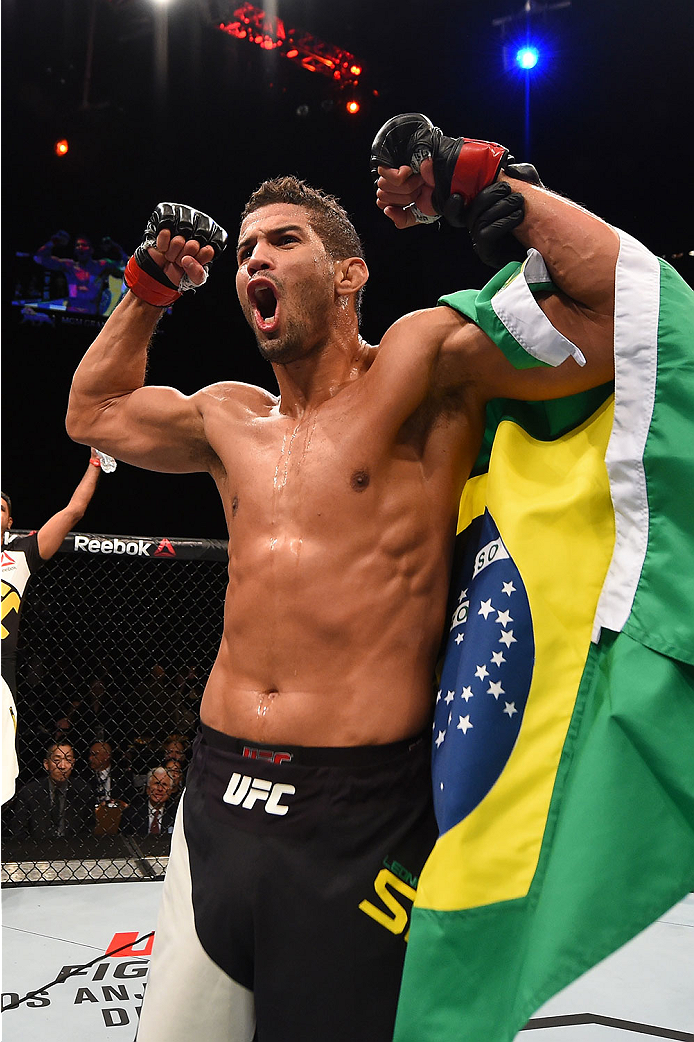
[109, 781]
[154, 813]
[112, 788]
[58, 805]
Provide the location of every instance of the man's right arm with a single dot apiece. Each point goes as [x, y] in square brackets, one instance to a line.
[156, 428]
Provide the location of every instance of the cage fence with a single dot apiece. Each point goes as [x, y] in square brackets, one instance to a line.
[117, 637]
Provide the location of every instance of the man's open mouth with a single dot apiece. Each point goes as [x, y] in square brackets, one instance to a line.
[262, 297]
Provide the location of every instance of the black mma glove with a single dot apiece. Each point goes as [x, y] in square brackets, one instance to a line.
[492, 216]
[144, 276]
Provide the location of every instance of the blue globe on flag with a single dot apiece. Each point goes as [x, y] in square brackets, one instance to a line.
[486, 676]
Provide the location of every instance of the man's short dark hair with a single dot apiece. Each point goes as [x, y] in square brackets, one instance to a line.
[8, 501]
[57, 745]
[327, 216]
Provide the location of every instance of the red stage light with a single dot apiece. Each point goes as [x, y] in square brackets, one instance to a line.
[353, 107]
[61, 147]
[268, 31]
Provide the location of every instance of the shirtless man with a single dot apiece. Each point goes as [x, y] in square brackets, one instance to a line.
[84, 275]
[341, 497]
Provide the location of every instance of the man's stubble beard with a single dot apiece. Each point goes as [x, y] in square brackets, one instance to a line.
[303, 332]
[289, 347]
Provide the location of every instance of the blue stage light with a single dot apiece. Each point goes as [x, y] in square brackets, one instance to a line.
[527, 57]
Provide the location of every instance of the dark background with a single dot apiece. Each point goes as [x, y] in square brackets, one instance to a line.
[175, 109]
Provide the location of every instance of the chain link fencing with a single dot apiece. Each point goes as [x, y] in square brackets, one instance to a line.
[118, 635]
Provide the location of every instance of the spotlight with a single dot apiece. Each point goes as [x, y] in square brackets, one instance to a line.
[302, 111]
[61, 147]
[352, 107]
[527, 57]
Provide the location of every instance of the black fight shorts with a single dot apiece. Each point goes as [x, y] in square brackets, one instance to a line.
[288, 893]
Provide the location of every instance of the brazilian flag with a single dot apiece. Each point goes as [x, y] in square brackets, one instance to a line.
[563, 741]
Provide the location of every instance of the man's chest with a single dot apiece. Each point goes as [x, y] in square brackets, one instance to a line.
[345, 459]
[312, 464]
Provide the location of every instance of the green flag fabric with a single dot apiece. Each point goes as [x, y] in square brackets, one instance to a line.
[562, 757]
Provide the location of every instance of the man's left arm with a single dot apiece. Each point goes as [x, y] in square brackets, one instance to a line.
[51, 535]
[110, 247]
[580, 250]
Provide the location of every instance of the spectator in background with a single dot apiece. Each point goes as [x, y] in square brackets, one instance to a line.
[57, 806]
[111, 788]
[85, 276]
[109, 782]
[77, 722]
[61, 729]
[174, 748]
[140, 756]
[187, 700]
[97, 701]
[177, 775]
[152, 700]
[99, 713]
[153, 813]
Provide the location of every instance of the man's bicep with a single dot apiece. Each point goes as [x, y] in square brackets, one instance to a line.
[156, 428]
[51, 535]
[469, 356]
[590, 332]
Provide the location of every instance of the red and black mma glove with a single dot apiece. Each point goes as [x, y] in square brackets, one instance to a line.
[466, 191]
[144, 277]
[462, 166]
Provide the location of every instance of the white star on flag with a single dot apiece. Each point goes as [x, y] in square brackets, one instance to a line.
[507, 638]
[438, 695]
[463, 724]
[466, 693]
[463, 595]
[495, 689]
[504, 617]
[508, 589]
[498, 657]
[459, 638]
[439, 738]
[450, 696]
[510, 709]
[486, 607]
[481, 672]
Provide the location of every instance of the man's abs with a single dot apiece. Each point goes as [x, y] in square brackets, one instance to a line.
[339, 551]
[335, 650]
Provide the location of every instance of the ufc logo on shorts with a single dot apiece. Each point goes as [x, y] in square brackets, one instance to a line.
[247, 791]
